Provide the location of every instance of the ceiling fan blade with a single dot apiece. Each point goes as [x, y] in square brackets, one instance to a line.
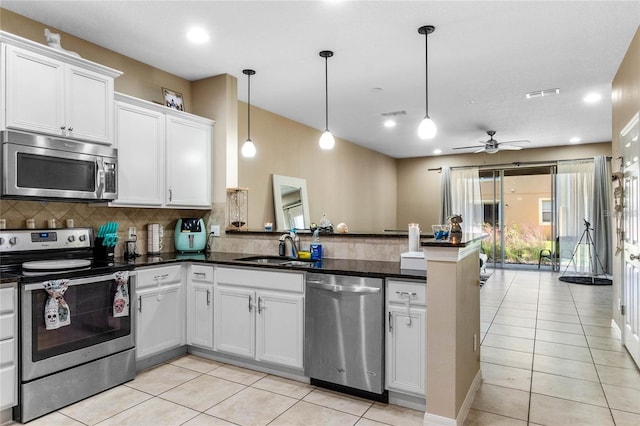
[521, 141]
[483, 149]
[504, 147]
[466, 147]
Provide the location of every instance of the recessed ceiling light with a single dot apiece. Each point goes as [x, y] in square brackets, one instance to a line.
[390, 122]
[575, 140]
[437, 151]
[197, 35]
[541, 93]
[592, 98]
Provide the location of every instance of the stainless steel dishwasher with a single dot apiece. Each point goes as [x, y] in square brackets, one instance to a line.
[344, 334]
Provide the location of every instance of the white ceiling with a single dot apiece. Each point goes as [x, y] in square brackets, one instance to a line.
[483, 57]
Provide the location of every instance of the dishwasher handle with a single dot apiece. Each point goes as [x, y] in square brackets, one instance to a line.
[343, 288]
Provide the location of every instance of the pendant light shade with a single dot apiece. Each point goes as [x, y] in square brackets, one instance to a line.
[326, 140]
[427, 128]
[248, 148]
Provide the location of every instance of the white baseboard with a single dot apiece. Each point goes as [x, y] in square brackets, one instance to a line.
[616, 329]
[435, 420]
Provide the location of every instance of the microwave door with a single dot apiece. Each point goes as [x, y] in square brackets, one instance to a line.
[45, 173]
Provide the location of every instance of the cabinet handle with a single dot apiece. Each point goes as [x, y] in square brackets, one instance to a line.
[170, 195]
[390, 322]
[200, 274]
[139, 303]
[208, 297]
[161, 277]
[260, 307]
[406, 293]
[250, 303]
[634, 257]
[71, 129]
[63, 127]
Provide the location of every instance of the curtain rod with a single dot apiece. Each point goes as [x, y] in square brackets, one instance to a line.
[516, 164]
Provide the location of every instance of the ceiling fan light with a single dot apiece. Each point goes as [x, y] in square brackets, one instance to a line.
[491, 149]
[326, 140]
[248, 149]
[427, 128]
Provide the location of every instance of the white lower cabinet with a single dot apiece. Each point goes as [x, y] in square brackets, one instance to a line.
[8, 345]
[160, 310]
[200, 306]
[260, 315]
[406, 327]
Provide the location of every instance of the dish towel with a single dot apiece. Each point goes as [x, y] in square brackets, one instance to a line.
[56, 309]
[121, 297]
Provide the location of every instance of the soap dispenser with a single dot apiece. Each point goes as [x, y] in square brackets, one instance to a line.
[316, 247]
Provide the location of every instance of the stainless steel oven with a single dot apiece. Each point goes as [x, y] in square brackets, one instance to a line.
[44, 167]
[95, 348]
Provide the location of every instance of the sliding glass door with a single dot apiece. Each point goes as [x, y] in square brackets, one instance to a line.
[519, 216]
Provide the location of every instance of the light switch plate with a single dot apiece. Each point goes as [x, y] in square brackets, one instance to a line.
[215, 230]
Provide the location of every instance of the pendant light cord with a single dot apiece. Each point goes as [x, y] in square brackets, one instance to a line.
[249, 107]
[426, 66]
[326, 93]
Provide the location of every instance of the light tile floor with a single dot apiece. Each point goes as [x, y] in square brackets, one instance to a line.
[549, 357]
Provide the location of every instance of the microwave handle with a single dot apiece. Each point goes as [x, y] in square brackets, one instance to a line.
[100, 179]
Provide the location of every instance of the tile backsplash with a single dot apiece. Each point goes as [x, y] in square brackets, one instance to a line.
[17, 212]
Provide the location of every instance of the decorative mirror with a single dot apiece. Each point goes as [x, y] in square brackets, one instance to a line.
[291, 203]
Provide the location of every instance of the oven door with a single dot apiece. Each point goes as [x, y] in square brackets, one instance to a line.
[93, 332]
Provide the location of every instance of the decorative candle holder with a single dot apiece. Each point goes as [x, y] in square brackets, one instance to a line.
[237, 209]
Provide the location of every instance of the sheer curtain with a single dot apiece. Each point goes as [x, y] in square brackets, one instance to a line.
[575, 206]
[445, 194]
[466, 199]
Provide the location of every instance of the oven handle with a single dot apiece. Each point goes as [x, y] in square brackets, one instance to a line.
[78, 281]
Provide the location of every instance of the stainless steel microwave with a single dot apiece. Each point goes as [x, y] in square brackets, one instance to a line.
[49, 168]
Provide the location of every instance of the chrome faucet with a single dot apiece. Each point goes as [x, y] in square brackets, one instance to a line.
[294, 249]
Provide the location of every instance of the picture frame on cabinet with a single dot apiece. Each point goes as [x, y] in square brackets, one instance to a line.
[173, 99]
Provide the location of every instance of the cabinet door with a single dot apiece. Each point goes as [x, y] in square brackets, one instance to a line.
[89, 105]
[188, 163]
[280, 328]
[140, 142]
[200, 315]
[34, 92]
[406, 349]
[159, 324]
[234, 325]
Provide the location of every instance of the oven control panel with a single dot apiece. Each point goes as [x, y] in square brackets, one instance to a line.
[45, 239]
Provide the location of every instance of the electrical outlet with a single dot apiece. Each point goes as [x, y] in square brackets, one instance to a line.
[215, 230]
[132, 233]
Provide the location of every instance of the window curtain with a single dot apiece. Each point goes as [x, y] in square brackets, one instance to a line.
[601, 213]
[575, 206]
[445, 194]
[466, 199]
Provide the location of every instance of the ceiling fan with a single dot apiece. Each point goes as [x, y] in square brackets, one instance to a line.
[492, 146]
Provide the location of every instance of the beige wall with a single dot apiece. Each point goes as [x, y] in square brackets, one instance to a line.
[626, 102]
[419, 189]
[351, 184]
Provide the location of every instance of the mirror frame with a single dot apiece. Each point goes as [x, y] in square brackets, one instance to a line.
[278, 182]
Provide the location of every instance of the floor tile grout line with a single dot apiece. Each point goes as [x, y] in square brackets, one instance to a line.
[533, 354]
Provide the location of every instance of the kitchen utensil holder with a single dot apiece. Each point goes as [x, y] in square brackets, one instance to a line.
[101, 252]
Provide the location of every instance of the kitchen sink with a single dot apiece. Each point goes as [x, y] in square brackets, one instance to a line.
[275, 260]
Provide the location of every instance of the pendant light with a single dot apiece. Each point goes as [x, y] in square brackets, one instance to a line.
[248, 148]
[427, 128]
[326, 140]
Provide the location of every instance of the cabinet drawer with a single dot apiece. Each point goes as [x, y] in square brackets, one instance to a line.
[399, 291]
[7, 326]
[8, 352]
[7, 301]
[269, 280]
[202, 273]
[155, 276]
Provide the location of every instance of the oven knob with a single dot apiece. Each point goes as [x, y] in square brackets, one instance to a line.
[82, 237]
[1, 241]
[13, 241]
[71, 238]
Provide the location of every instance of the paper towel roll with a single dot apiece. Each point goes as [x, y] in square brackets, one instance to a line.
[414, 237]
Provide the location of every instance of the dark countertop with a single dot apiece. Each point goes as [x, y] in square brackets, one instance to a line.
[464, 241]
[394, 233]
[366, 268]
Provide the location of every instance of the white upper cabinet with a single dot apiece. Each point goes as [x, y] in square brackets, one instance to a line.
[51, 92]
[164, 156]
